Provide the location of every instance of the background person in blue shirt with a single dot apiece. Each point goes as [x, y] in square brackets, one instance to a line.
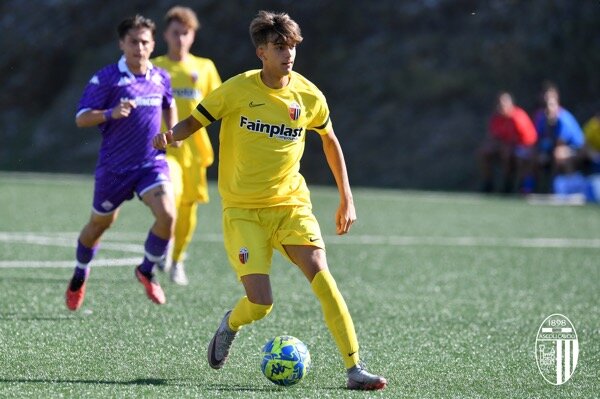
[560, 138]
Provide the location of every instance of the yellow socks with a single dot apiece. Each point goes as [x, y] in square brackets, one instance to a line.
[337, 316]
[246, 312]
[184, 228]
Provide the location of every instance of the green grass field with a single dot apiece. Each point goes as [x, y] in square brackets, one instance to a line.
[447, 292]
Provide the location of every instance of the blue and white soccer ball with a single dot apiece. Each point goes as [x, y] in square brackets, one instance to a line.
[286, 360]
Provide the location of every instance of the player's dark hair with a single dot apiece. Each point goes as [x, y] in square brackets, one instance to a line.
[135, 22]
[273, 27]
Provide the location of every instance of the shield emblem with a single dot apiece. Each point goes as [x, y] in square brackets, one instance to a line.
[294, 111]
[243, 255]
[556, 349]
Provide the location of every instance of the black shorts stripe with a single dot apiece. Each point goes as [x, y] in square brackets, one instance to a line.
[204, 112]
[323, 125]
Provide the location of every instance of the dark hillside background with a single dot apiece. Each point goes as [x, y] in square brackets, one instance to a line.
[410, 83]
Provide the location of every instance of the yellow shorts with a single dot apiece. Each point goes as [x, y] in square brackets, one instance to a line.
[251, 234]
[189, 182]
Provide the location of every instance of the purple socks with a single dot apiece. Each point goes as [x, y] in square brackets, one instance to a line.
[155, 249]
[84, 256]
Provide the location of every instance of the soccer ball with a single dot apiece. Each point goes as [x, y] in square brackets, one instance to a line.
[286, 360]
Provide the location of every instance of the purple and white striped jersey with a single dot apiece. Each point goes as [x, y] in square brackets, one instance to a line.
[127, 142]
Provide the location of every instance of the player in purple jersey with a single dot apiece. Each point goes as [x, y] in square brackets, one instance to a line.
[126, 101]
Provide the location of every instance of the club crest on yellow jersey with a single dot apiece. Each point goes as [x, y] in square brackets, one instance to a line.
[294, 111]
[243, 255]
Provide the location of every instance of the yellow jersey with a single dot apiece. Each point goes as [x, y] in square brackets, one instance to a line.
[262, 138]
[191, 80]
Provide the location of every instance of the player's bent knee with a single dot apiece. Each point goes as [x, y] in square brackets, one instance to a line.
[99, 227]
[258, 311]
[101, 223]
[166, 218]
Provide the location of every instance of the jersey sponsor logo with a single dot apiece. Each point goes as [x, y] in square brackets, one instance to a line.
[243, 255]
[187, 93]
[281, 132]
[151, 100]
[294, 110]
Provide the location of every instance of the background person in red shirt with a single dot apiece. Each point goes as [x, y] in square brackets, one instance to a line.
[510, 145]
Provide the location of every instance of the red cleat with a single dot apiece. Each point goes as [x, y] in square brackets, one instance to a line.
[153, 289]
[74, 299]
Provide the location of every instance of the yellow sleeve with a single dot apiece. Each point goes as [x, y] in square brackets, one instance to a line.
[321, 123]
[217, 103]
[210, 80]
[213, 79]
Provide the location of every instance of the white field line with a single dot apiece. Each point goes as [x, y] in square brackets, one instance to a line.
[68, 263]
[59, 240]
[114, 242]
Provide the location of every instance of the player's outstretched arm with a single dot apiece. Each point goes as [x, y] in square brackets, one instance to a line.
[180, 131]
[346, 213]
[93, 117]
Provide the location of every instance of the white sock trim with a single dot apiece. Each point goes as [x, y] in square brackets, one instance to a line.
[153, 258]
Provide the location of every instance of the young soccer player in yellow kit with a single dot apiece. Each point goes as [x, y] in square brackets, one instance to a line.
[192, 78]
[265, 115]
